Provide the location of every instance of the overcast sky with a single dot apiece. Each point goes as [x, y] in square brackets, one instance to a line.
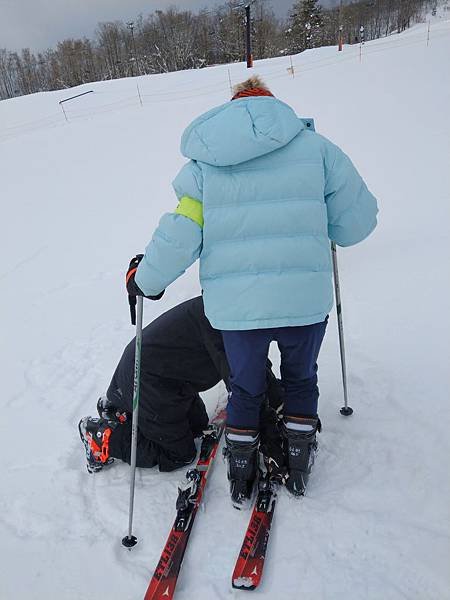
[40, 24]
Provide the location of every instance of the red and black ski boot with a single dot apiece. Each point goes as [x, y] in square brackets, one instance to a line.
[95, 433]
[107, 411]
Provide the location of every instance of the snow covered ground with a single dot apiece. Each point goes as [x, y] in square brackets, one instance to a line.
[80, 198]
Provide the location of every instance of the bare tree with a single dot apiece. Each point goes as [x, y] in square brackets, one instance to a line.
[176, 39]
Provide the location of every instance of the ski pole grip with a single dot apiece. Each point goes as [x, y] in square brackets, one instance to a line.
[132, 302]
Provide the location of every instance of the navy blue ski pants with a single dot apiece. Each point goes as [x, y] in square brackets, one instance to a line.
[247, 355]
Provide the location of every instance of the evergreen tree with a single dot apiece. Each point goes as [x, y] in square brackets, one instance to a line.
[305, 24]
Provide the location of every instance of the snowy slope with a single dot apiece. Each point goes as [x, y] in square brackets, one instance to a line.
[80, 198]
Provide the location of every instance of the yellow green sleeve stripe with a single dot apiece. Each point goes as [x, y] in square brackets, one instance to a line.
[192, 209]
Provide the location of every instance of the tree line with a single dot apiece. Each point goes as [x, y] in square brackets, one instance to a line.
[175, 39]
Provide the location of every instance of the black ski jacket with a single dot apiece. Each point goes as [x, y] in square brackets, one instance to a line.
[179, 345]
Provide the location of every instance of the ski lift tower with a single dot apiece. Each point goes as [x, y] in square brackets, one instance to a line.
[247, 6]
[134, 60]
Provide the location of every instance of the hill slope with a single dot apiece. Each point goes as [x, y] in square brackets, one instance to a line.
[80, 198]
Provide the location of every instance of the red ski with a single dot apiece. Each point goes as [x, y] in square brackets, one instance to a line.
[164, 580]
[250, 563]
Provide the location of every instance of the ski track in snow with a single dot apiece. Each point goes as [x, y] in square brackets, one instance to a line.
[375, 522]
[23, 262]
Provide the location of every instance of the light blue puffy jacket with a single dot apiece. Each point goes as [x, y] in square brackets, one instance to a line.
[273, 194]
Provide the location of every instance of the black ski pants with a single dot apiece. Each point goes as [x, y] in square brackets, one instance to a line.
[171, 415]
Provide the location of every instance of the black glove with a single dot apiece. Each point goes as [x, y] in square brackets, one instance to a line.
[132, 287]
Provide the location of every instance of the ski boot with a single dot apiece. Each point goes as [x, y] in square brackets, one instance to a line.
[109, 412]
[95, 434]
[241, 452]
[301, 446]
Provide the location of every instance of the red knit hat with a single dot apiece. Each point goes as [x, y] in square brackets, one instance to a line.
[251, 87]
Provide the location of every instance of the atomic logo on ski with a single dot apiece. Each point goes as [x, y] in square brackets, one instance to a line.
[249, 539]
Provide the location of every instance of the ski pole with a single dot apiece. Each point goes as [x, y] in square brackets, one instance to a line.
[346, 410]
[130, 540]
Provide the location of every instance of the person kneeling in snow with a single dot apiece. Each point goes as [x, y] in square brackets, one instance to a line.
[182, 355]
[259, 201]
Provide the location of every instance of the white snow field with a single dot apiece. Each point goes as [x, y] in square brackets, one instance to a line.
[80, 198]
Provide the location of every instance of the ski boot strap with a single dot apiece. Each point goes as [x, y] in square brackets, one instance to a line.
[101, 453]
[302, 425]
[241, 436]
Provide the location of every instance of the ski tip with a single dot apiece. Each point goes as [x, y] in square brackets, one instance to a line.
[243, 583]
[160, 590]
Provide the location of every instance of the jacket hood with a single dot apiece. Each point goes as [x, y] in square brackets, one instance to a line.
[240, 130]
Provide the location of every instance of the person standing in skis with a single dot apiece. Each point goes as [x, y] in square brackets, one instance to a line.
[259, 201]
